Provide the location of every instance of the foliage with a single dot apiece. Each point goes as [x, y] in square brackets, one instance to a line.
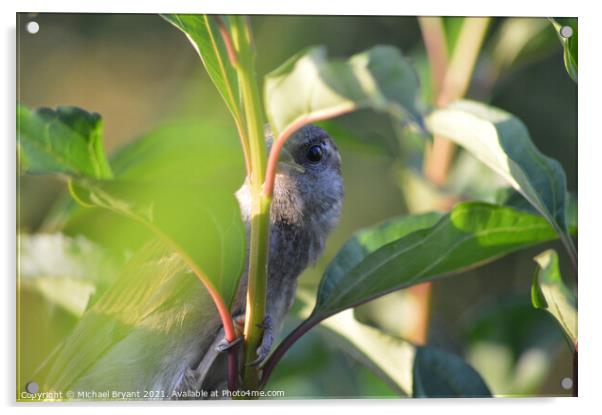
[569, 44]
[550, 293]
[188, 204]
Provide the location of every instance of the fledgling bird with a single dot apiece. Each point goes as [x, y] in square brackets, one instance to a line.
[164, 340]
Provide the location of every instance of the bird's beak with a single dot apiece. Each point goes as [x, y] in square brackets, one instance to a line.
[286, 162]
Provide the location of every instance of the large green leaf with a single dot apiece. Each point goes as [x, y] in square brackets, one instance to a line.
[438, 374]
[368, 240]
[414, 251]
[179, 152]
[471, 234]
[311, 86]
[569, 44]
[196, 216]
[502, 142]
[548, 292]
[203, 33]
[68, 140]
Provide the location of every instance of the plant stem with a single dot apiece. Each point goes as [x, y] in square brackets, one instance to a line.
[260, 205]
[462, 63]
[450, 79]
[433, 34]
[454, 85]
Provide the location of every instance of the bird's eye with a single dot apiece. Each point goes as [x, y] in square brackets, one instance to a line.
[315, 153]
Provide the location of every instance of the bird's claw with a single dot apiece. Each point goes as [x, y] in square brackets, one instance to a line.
[225, 345]
[266, 342]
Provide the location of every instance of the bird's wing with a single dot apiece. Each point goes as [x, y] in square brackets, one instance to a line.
[122, 339]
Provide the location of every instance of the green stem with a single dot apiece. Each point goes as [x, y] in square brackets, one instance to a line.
[260, 205]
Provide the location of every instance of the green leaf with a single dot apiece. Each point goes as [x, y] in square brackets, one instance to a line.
[570, 44]
[548, 292]
[179, 152]
[368, 240]
[203, 33]
[470, 235]
[438, 374]
[197, 216]
[502, 142]
[507, 196]
[68, 140]
[311, 86]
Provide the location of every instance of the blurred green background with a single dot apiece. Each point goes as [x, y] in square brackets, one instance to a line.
[140, 73]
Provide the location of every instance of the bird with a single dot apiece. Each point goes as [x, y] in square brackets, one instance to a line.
[163, 342]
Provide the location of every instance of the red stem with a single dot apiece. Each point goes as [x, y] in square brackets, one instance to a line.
[222, 309]
[270, 175]
[227, 40]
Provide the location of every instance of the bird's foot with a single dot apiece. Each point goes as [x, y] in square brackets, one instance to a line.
[266, 342]
[225, 345]
[239, 325]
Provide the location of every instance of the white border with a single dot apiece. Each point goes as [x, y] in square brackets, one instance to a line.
[590, 151]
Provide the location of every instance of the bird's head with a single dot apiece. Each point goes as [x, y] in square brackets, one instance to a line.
[309, 185]
[308, 190]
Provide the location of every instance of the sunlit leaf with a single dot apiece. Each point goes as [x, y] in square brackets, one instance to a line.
[549, 293]
[123, 341]
[65, 271]
[309, 85]
[569, 44]
[203, 33]
[68, 140]
[502, 142]
[471, 234]
[507, 196]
